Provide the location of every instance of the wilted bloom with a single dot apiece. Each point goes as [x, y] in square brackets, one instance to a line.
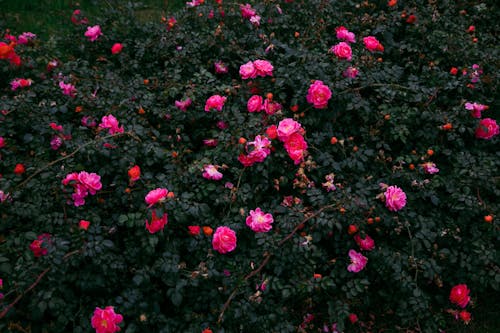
[210, 172]
[116, 48]
[155, 196]
[25, 37]
[76, 17]
[134, 173]
[395, 198]
[487, 129]
[88, 121]
[459, 295]
[476, 109]
[358, 261]
[68, 89]
[329, 185]
[39, 245]
[106, 320]
[350, 72]
[83, 224]
[366, 244]
[476, 73]
[210, 142]
[258, 148]
[224, 240]
[342, 50]
[183, 105]
[263, 68]
[93, 33]
[56, 142]
[248, 71]
[345, 35]
[259, 221]
[372, 44]
[318, 95]
[157, 223]
[194, 230]
[171, 23]
[271, 107]
[221, 124]
[215, 102]
[220, 67]
[287, 127]
[254, 103]
[111, 123]
[430, 168]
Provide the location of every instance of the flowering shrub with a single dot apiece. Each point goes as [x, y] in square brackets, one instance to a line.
[351, 189]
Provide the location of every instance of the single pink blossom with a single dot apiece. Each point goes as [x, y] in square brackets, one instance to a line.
[210, 172]
[430, 168]
[215, 102]
[247, 11]
[183, 105]
[358, 261]
[91, 181]
[254, 103]
[487, 129]
[350, 72]
[111, 123]
[26, 37]
[255, 20]
[220, 67]
[83, 224]
[395, 198]
[366, 244]
[155, 196]
[157, 223]
[248, 71]
[476, 109]
[372, 44]
[271, 107]
[342, 50]
[345, 35]
[296, 147]
[318, 95]
[329, 185]
[106, 320]
[459, 295]
[259, 221]
[116, 48]
[263, 68]
[287, 127]
[258, 149]
[93, 33]
[68, 89]
[224, 240]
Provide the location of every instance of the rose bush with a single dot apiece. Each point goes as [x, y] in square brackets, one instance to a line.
[143, 189]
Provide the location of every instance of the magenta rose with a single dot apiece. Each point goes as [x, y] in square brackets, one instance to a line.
[106, 320]
[372, 44]
[215, 102]
[342, 50]
[296, 147]
[224, 240]
[459, 295]
[248, 71]
[318, 95]
[366, 244]
[287, 127]
[254, 103]
[263, 68]
[395, 198]
[487, 129]
[259, 221]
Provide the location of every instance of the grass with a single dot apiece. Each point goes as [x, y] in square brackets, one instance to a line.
[46, 17]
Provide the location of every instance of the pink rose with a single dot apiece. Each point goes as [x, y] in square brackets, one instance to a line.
[157, 223]
[248, 71]
[247, 11]
[263, 68]
[395, 198]
[372, 44]
[83, 224]
[155, 196]
[476, 109]
[106, 320]
[116, 48]
[350, 72]
[358, 261]
[459, 295]
[183, 105]
[254, 103]
[215, 102]
[93, 33]
[345, 35]
[296, 147]
[68, 89]
[259, 221]
[224, 240]
[210, 172]
[342, 50]
[287, 127]
[430, 168]
[487, 129]
[194, 230]
[91, 181]
[2, 142]
[271, 107]
[366, 244]
[318, 95]
[220, 67]
[111, 123]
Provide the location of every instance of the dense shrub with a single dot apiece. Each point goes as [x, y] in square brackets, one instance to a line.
[227, 221]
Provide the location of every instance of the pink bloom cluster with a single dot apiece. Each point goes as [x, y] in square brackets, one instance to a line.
[476, 109]
[154, 197]
[259, 221]
[39, 245]
[345, 35]
[210, 172]
[358, 261]
[256, 104]
[224, 240]
[20, 83]
[183, 105]
[487, 129]
[83, 183]
[249, 13]
[257, 151]
[67, 89]
[395, 198]
[291, 134]
[111, 123]
[430, 168]
[318, 95]
[365, 244]
[215, 102]
[372, 44]
[93, 33]
[106, 320]
[255, 68]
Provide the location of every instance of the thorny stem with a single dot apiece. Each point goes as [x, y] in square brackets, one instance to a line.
[267, 257]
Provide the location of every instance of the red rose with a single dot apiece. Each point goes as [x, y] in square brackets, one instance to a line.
[460, 295]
